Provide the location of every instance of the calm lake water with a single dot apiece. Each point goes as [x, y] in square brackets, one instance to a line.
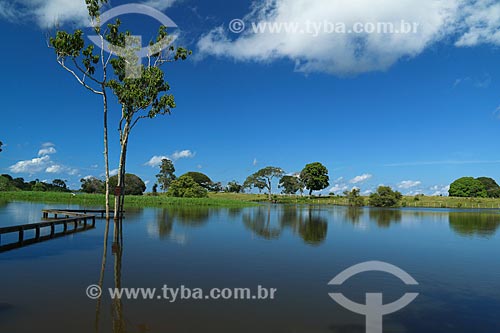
[454, 256]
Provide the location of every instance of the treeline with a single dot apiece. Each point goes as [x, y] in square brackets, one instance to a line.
[469, 187]
[8, 183]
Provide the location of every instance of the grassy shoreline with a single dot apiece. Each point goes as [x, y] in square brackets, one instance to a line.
[240, 200]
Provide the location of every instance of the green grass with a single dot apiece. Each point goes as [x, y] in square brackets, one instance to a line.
[238, 200]
[130, 201]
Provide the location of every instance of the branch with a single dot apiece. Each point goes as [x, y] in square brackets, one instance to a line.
[61, 62]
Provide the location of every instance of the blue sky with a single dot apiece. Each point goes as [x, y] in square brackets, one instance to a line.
[414, 112]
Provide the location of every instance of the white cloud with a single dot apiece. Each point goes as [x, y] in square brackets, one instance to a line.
[155, 161]
[467, 22]
[360, 179]
[343, 54]
[182, 154]
[160, 4]
[48, 13]
[338, 188]
[438, 190]
[31, 166]
[406, 184]
[113, 172]
[55, 168]
[47, 151]
[482, 23]
[48, 144]
[255, 162]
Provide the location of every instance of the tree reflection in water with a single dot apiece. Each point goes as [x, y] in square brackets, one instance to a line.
[385, 217]
[302, 221]
[483, 224]
[168, 217]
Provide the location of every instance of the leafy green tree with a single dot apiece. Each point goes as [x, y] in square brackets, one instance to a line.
[92, 185]
[263, 179]
[215, 187]
[385, 197]
[491, 187]
[468, 187]
[166, 175]
[155, 189]
[81, 61]
[200, 178]
[133, 184]
[354, 198]
[290, 184]
[315, 177]
[234, 187]
[59, 183]
[186, 187]
[39, 187]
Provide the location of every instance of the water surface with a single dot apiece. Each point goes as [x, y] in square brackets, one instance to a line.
[454, 255]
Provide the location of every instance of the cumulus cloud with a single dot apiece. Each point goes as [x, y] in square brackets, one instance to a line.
[31, 166]
[113, 172]
[47, 13]
[360, 179]
[338, 188]
[406, 184]
[438, 190]
[182, 154]
[47, 151]
[155, 161]
[43, 163]
[474, 22]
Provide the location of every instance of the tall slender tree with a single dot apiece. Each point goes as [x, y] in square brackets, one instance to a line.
[263, 179]
[81, 62]
[166, 175]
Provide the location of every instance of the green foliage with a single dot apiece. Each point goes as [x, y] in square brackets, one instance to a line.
[263, 179]
[39, 187]
[491, 186]
[186, 187]
[200, 178]
[155, 188]
[385, 197]
[92, 185]
[133, 184]
[234, 187]
[6, 184]
[315, 177]
[290, 184]
[354, 198]
[166, 175]
[468, 187]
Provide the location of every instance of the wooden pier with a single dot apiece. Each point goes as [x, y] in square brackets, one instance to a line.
[74, 212]
[73, 222]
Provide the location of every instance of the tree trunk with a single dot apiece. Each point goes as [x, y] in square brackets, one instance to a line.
[310, 192]
[106, 149]
[119, 199]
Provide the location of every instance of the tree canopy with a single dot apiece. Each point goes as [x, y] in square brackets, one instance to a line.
[133, 184]
[263, 179]
[491, 186]
[186, 187]
[201, 179]
[290, 184]
[315, 177]
[385, 197]
[468, 187]
[167, 174]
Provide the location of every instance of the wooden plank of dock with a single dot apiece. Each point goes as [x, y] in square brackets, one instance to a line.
[70, 225]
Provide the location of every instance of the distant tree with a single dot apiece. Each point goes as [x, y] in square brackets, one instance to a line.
[21, 184]
[93, 185]
[155, 188]
[186, 187]
[263, 179]
[59, 183]
[315, 177]
[234, 187]
[133, 184]
[290, 184]
[39, 187]
[354, 198]
[166, 175]
[491, 187]
[468, 187]
[215, 187]
[200, 178]
[385, 197]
